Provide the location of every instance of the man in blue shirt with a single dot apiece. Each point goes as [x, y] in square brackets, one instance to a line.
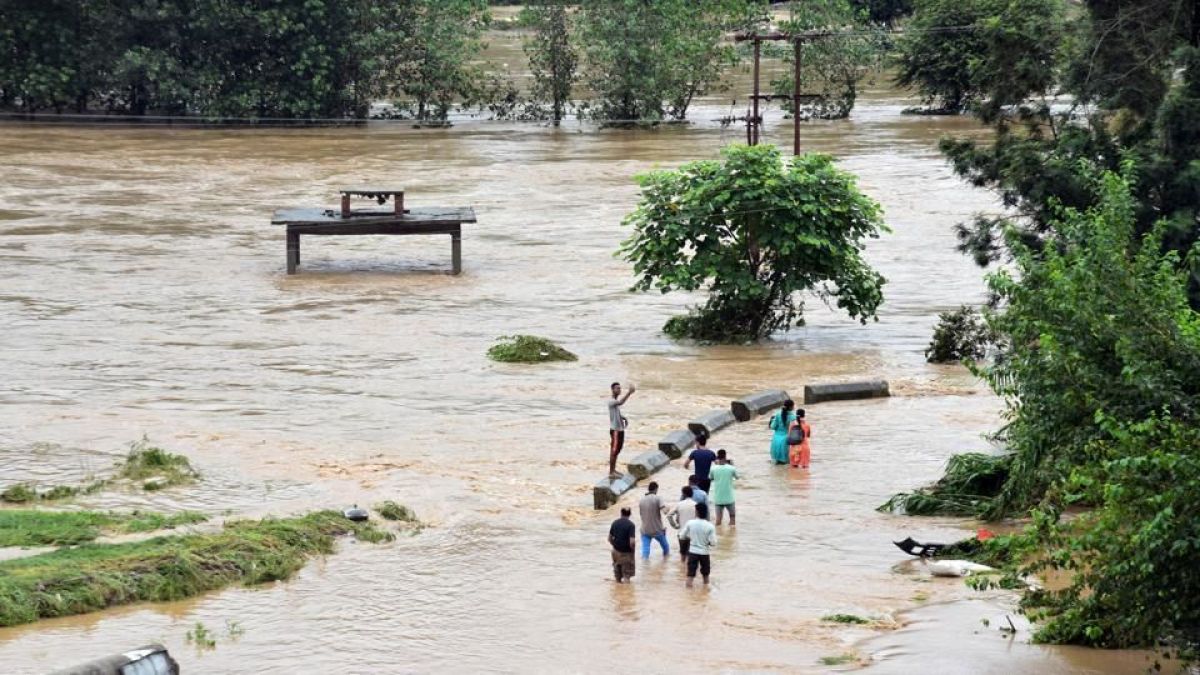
[703, 457]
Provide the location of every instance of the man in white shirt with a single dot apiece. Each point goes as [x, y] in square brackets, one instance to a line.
[679, 515]
[702, 540]
[616, 426]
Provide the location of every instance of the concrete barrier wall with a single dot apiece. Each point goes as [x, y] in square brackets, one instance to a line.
[757, 403]
[676, 442]
[846, 391]
[711, 423]
[647, 463]
[608, 491]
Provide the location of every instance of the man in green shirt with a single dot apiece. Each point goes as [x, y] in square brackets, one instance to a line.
[723, 474]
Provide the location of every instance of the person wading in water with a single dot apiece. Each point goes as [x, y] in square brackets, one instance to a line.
[621, 536]
[799, 452]
[616, 426]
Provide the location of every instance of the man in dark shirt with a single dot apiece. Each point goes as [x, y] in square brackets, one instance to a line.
[621, 535]
[703, 457]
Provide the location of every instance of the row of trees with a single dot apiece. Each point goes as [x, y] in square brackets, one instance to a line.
[1096, 153]
[636, 60]
[292, 58]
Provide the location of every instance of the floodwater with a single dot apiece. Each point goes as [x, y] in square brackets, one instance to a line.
[142, 293]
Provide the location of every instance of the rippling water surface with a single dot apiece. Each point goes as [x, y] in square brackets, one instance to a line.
[142, 292]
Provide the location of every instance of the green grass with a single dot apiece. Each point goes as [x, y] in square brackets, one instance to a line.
[26, 527]
[92, 577]
[528, 349]
[845, 618]
[840, 660]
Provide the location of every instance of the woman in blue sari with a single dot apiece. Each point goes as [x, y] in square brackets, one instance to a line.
[781, 422]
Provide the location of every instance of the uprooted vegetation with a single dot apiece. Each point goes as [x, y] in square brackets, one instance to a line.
[968, 488]
[27, 527]
[146, 466]
[528, 349]
[91, 577]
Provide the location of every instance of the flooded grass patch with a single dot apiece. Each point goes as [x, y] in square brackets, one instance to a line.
[97, 576]
[528, 349]
[146, 466]
[845, 618]
[27, 527]
[155, 468]
[839, 660]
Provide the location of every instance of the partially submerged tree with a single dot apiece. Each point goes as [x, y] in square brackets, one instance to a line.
[754, 230]
[831, 67]
[434, 64]
[959, 53]
[647, 61]
[552, 57]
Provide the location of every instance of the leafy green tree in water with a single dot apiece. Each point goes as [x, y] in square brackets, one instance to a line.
[831, 68]
[649, 60]
[552, 57]
[754, 231]
[993, 53]
[434, 67]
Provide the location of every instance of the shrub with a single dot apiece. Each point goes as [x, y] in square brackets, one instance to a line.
[960, 335]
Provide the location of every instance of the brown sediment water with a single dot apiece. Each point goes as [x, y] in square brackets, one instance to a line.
[142, 293]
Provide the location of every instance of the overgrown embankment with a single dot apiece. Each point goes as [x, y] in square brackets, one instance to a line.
[96, 576]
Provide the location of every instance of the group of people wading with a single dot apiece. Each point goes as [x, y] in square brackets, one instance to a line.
[709, 492]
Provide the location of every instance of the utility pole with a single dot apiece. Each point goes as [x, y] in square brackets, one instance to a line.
[754, 118]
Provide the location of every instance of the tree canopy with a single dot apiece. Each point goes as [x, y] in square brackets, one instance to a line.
[291, 58]
[984, 53]
[649, 60]
[754, 230]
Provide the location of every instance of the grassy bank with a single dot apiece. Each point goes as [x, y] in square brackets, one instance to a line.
[97, 576]
[25, 527]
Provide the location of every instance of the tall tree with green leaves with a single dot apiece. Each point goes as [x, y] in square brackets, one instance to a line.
[984, 53]
[831, 67]
[1132, 74]
[552, 58]
[754, 230]
[647, 61]
[434, 69]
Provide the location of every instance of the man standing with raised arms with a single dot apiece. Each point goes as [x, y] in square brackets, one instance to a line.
[616, 426]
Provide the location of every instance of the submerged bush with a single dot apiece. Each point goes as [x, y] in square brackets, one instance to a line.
[155, 468]
[390, 510]
[968, 488]
[960, 335]
[528, 349]
[21, 493]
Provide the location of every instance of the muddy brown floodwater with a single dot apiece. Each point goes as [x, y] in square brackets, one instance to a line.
[142, 293]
